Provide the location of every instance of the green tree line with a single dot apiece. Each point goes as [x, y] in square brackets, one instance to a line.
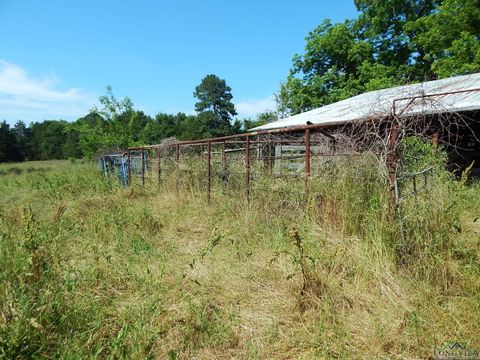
[117, 125]
[391, 42]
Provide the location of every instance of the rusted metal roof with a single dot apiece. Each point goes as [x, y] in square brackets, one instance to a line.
[455, 94]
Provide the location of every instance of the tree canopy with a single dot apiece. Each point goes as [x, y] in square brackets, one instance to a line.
[214, 107]
[391, 42]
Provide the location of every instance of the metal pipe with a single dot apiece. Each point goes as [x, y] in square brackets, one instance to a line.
[159, 163]
[224, 158]
[177, 165]
[307, 159]
[422, 96]
[128, 167]
[253, 133]
[300, 128]
[392, 159]
[143, 167]
[209, 172]
[307, 152]
[247, 167]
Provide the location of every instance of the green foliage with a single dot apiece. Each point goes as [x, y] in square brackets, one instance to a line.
[417, 155]
[390, 43]
[117, 125]
[215, 108]
[9, 150]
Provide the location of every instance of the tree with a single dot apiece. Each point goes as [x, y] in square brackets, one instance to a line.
[262, 119]
[392, 42]
[118, 115]
[9, 150]
[449, 37]
[215, 107]
[92, 129]
[22, 135]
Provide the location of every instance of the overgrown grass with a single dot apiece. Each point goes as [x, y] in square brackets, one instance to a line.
[92, 270]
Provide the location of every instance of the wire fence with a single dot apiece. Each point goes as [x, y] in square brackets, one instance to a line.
[243, 162]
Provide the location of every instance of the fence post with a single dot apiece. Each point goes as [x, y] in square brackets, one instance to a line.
[143, 166]
[209, 169]
[128, 167]
[307, 159]
[177, 162]
[159, 163]
[224, 158]
[392, 163]
[247, 167]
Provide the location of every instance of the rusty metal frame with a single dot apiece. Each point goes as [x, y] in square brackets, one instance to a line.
[248, 139]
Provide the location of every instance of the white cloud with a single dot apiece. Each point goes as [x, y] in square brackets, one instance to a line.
[251, 108]
[25, 98]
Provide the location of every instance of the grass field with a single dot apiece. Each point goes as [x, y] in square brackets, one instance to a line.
[92, 270]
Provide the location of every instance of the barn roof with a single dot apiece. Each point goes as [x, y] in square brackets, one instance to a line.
[455, 94]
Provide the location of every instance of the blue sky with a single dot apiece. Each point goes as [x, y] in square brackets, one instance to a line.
[56, 57]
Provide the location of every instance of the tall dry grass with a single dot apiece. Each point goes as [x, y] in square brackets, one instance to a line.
[92, 270]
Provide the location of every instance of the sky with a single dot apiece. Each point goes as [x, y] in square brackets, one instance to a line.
[57, 57]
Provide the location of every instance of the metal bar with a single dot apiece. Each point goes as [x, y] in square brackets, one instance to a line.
[307, 160]
[177, 165]
[392, 157]
[412, 98]
[209, 172]
[307, 152]
[159, 164]
[143, 167]
[301, 128]
[128, 166]
[224, 158]
[247, 167]
[438, 94]
[410, 175]
[253, 133]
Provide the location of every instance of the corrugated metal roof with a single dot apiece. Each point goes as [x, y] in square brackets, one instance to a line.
[379, 103]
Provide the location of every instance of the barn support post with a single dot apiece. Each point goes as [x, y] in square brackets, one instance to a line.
[143, 166]
[128, 167]
[209, 170]
[247, 167]
[159, 165]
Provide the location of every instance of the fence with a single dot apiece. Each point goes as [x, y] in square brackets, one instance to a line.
[303, 151]
[242, 161]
